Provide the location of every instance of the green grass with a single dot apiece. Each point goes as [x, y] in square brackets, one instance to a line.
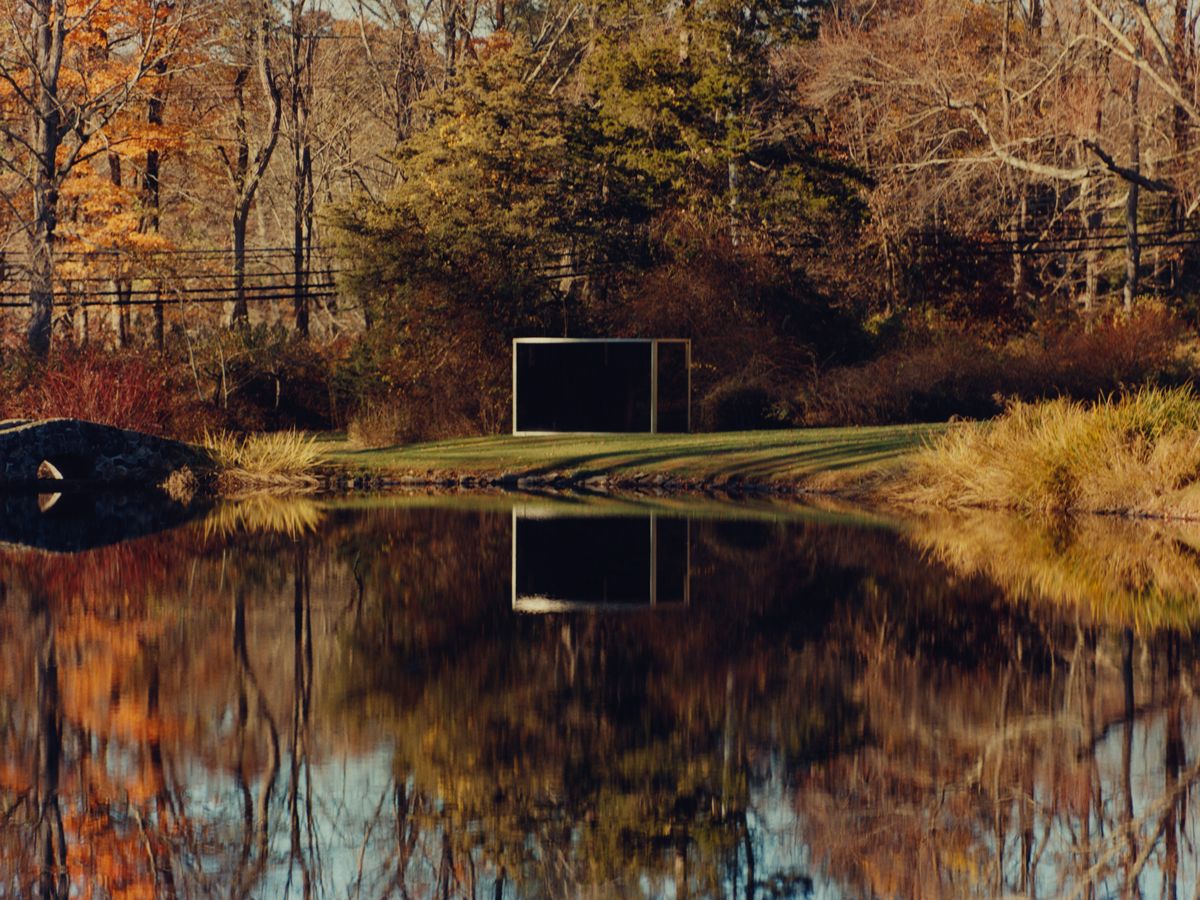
[789, 455]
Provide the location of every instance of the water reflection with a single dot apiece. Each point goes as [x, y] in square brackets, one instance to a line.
[1141, 574]
[348, 704]
[76, 520]
[605, 562]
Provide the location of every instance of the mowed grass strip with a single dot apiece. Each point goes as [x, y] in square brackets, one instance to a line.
[785, 455]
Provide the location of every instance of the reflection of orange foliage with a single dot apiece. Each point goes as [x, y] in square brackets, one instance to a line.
[107, 632]
[108, 855]
[98, 659]
[13, 777]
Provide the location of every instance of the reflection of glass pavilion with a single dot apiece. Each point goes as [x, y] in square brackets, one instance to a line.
[601, 385]
[598, 563]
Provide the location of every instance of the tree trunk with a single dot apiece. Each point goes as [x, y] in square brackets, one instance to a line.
[152, 191]
[1092, 221]
[300, 226]
[1133, 251]
[246, 168]
[240, 314]
[41, 270]
[122, 294]
[1020, 261]
[302, 47]
[160, 337]
[1181, 62]
[122, 287]
[49, 22]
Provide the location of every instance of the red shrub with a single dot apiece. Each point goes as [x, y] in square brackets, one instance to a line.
[85, 384]
[963, 375]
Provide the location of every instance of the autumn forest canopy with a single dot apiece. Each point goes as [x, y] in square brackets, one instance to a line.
[337, 213]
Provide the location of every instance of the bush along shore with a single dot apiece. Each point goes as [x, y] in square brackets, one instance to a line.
[1133, 455]
[283, 462]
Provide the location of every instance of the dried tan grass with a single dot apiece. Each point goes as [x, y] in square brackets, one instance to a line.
[282, 459]
[1137, 454]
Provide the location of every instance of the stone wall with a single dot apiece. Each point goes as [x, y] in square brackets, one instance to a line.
[87, 452]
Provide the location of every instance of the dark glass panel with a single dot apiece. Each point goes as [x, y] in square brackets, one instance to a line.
[602, 386]
[672, 387]
[671, 561]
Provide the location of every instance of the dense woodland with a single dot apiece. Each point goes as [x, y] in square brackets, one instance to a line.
[337, 213]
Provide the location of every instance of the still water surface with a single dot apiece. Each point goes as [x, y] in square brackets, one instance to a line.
[558, 697]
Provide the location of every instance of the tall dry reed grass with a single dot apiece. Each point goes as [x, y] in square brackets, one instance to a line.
[284, 459]
[1135, 454]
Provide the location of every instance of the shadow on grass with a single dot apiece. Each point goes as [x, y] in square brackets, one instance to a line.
[762, 454]
[739, 460]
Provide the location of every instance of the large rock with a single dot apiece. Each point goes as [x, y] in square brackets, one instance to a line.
[86, 452]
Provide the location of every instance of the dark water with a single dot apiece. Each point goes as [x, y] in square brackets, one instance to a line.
[565, 698]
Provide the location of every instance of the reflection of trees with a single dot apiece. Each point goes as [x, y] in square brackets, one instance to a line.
[1059, 771]
[115, 671]
[247, 714]
[565, 752]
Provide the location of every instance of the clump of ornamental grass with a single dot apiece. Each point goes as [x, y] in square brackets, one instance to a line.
[1135, 454]
[286, 460]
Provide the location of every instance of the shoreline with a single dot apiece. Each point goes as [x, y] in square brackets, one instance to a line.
[791, 462]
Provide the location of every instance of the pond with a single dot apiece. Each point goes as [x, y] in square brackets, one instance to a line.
[522, 696]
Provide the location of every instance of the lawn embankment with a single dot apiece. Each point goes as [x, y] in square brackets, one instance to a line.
[817, 458]
[1134, 455]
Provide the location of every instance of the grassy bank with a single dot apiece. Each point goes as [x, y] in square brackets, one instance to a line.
[1135, 455]
[816, 456]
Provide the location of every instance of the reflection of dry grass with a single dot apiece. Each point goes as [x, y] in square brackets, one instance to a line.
[264, 514]
[285, 459]
[1136, 454]
[1139, 574]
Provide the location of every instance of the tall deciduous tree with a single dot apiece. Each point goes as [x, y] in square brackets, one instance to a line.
[1018, 120]
[249, 132]
[65, 74]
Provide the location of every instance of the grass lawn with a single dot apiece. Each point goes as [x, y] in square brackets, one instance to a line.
[788, 455]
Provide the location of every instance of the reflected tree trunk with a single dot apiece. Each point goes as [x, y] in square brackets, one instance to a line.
[302, 838]
[255, 816]
[1127, 755]
[52, 881]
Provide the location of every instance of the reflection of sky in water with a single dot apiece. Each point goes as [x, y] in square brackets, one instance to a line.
[350, 797]
[833, 712]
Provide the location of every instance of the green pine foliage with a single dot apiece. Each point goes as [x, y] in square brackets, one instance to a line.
[598, 185]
